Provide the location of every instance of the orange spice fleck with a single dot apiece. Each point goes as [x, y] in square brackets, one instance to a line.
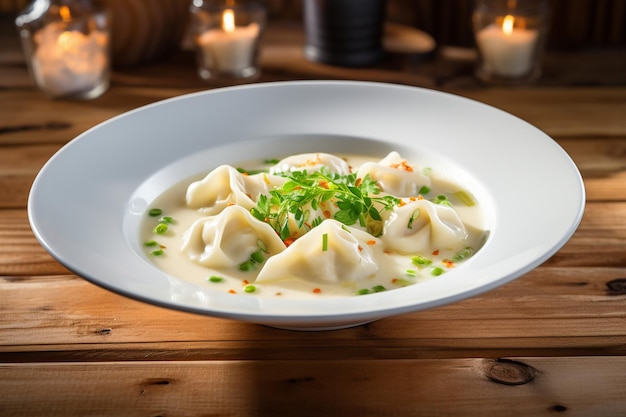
[394, 280]
[245, 282]
[448, 263]
[231, 291]
[317, 290]
[420, 197]
[360, 248]
[289, 241]
[436, 252]
[371, 242]
[324, 184]
[327, 214]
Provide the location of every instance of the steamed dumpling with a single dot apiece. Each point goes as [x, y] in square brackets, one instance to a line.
[347, 257]
[229, 238]
[395, 176]
[311, 162]
[423, 226]
[225, 186]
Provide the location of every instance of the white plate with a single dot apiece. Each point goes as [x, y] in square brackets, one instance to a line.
[86, 203]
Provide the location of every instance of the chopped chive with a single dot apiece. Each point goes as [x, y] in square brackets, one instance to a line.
[160, 228]
[411, 272]
[150, 243]
[424, 190]
[363, 291]
[324, 242]
[215, 279]
[271, 161]
[157, 252]
[249, 288]
[437, 271]
[379, 288]
[155, 212]
[167, 219]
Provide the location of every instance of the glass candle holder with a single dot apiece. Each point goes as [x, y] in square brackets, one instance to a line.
[66, 43]
[510, 37]
[226, 37]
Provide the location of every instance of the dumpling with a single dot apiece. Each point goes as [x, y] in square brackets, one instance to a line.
[229, 239]
[422, 225]
[225, 186]
[395, 176]
[311, 162]
[329, 253]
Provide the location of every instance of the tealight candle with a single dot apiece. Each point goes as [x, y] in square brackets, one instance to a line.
[509, 36]
[69, 56]
[226, 49]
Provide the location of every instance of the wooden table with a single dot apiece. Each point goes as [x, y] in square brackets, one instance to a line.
[552, 342]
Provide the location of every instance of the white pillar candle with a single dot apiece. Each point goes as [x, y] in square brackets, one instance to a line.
[231, 48]
[507, 51]
[67, 62]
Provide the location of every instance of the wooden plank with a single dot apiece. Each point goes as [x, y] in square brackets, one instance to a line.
[509, 386]
[548, 310]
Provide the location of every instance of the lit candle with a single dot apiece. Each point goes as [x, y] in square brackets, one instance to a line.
[69, 61]
[507, 50]
[231, 48]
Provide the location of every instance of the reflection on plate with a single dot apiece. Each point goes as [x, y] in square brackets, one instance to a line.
[87, 202]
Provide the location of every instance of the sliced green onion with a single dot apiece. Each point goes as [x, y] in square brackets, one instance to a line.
[155, 212]
[437, 271]
[463, 254]
[167, 219]
[324, 242]
[151, 243]
[157, 252]
[379, 288]
[363, 291]
[416, 213]
[464, 198]
[249, 288]
[257, 256]
[424, 190]
[215, 279]
[420, 261]
[411, 272]
[247, 266]
[160, 228]
[261, 245]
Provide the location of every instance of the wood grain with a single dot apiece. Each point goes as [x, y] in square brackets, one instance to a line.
[511, 386]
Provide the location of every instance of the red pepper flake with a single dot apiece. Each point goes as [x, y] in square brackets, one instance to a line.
[403, 166]
[371, 242]
[317, 290]
[245, 282]
[394, 280]
[360, 248]
[324, 184]
[231, 291]
[289, 241]
[448, 263]
[436, 252]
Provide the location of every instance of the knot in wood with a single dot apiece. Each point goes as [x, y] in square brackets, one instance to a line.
[617, 286]
[508, 372]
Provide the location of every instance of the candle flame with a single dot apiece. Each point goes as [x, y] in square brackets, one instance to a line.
[507, 24]
[65, 14]
[228, 20]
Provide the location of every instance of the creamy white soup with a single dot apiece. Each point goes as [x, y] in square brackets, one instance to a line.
[313, 225]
